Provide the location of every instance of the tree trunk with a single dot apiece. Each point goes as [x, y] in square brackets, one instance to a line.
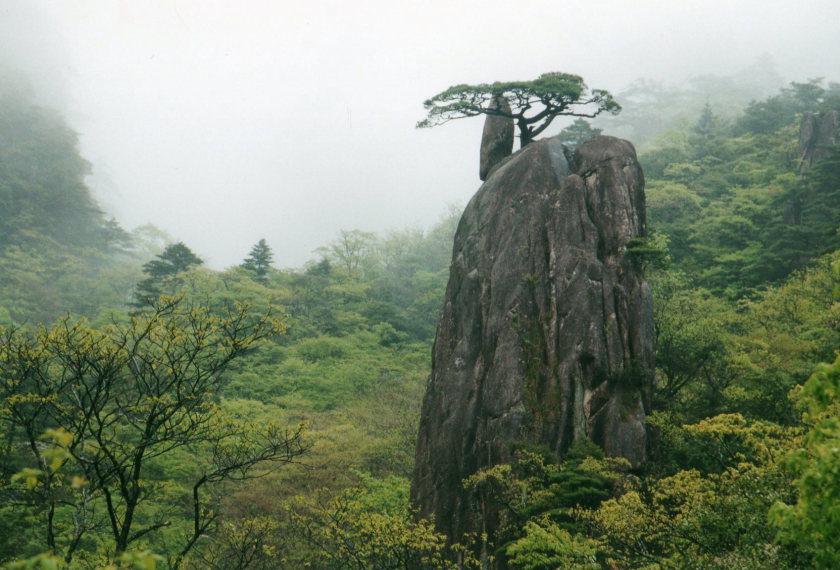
[525, 136]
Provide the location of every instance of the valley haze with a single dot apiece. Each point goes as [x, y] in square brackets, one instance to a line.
[222, 123]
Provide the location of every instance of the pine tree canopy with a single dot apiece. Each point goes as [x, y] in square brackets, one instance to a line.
[533, 104]
[259, 260]
[175, 259]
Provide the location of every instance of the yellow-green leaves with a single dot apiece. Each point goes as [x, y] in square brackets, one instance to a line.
[28, 477]
[344, 532]
[39, 562]
[813, 520]
[96, 411]
[545, 546]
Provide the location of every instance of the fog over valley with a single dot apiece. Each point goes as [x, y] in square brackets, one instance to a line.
[225, 122]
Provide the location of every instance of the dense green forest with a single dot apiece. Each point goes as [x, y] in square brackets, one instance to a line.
[155, 413]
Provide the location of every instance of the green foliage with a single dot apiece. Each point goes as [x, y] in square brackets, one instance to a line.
[348, 532]
[728, 195]
[40, 562]
[132, 560]
[259, 260]
[724, 210]
[736, 331]
[648, 252]
[164, 274]
[42, 177]
[812, 521]
[814, 210]
[534, 104]
[533, 505]
[363, 281]
[353, 364]
[716, 444]
[547, 546]
[720, 194]
[41, 285]
[58, 252]
[691, 331]
[115, 402]
[715, 356]
[248, 543]
[716, 518]
[577, 133]
[354, 252]
[785, 332]
[674, 207]
[771, 114]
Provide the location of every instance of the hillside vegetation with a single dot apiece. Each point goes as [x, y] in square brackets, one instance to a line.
[265, 418]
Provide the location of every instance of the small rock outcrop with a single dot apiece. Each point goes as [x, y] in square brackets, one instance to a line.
[546, 332]
[496, 139]
[817, 134]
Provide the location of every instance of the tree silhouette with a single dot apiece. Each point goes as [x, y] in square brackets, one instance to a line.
[259, 260]
[534, 104]
[163, 273]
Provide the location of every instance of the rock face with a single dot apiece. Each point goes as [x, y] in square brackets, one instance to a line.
[546, 331]
[817, 133]
[497, 138]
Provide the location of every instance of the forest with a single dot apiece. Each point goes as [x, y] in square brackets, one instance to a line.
[156, 413]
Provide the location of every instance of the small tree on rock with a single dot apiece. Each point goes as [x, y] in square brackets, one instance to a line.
[577, 133]
[534, 104]
[259, 260]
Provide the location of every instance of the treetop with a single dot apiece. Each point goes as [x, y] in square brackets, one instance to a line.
[535, 102]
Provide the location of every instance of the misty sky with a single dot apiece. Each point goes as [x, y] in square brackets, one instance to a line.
[223, 122]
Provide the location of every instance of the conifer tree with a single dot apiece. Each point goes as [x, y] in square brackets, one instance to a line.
[577, 133]
[533, 104]
[163, 272]
[259, 260]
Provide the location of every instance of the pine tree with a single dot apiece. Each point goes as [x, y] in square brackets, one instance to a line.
[577, 133]
[705, 136]
[259, 260]
[533, 104]
[162, 273]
